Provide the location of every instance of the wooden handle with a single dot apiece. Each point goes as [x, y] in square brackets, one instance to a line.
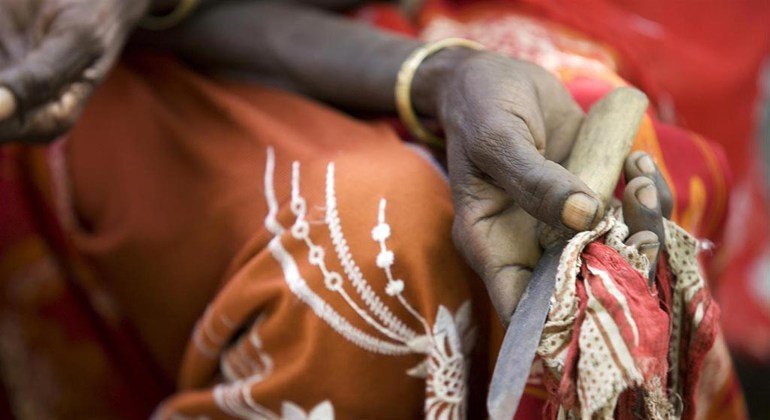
[601, 147]
[605, 139]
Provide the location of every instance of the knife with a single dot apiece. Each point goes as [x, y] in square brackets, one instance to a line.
[601, 146]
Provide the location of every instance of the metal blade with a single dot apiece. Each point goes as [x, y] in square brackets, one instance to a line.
[522, 337]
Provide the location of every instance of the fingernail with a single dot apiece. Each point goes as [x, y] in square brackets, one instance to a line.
[7, 103]
[648, 196]
[646, 164]
[579, 211]
[650, 250]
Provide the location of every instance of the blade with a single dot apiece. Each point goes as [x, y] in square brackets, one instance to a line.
[518, 351]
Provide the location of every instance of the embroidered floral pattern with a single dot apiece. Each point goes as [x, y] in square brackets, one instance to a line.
[445, 344]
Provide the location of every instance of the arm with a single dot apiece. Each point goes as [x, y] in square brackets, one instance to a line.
[497, 112]
[304, 49]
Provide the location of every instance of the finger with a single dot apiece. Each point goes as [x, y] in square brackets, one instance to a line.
[648, 244]
[520, 107]
[7, 103]
[562, 116]
[498, 240]
[543, 188]
[45, 72]
[563, 126]
[642, 164]
[641, 207]
[49, 121]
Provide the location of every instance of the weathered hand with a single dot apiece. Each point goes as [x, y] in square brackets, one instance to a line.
[52, 54]
[508, 124]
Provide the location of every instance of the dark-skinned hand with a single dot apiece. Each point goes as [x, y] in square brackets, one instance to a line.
[52, 54]
[508, 125]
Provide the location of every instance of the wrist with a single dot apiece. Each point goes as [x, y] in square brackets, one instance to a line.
[433, 76]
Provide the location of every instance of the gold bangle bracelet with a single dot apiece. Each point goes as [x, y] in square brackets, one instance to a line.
[160, 23]
[404, 86]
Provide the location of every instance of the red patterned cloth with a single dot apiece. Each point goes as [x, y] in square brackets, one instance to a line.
[609, 286]
[615, 345]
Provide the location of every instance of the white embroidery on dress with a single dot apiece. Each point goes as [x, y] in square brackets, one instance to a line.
[322, 411]
[446, 345]
[385, 260]
[388, 324]
[235, 398]
[299, 286]
[236, 364]
[199, 339]
[446, 387]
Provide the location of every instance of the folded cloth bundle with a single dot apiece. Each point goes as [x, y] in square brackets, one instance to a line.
[613, 340]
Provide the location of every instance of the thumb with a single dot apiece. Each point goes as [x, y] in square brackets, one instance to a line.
[543, 188]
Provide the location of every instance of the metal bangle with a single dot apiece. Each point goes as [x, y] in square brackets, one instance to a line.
[404, 86]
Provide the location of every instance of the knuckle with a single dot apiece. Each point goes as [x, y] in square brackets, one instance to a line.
[499, 134]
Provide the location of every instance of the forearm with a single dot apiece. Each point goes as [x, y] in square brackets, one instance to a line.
[319, 54]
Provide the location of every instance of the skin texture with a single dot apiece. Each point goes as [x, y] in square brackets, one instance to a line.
[52, 54]
[508, 123]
